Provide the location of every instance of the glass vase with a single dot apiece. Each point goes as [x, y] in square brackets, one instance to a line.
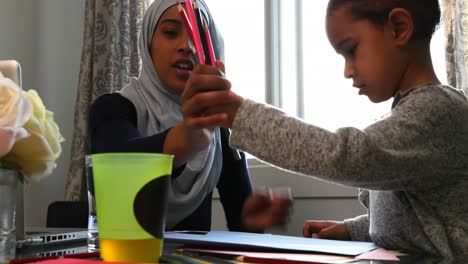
[8, 185]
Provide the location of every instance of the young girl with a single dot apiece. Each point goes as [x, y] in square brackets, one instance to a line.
[413, 163]
[147, 117]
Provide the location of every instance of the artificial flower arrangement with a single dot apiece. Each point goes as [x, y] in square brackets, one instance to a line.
[29, 137]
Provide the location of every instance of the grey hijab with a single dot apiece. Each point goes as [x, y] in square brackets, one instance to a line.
[158, 109]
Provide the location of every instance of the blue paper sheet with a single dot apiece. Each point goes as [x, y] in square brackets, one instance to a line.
[252, 241]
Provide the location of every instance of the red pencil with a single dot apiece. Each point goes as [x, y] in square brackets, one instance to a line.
[189, 27]
[193, 22]
[85, 255]
[200, 22]
[209, 44]
[185, 19]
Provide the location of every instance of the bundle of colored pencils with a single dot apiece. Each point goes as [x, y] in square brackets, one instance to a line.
[199, 32]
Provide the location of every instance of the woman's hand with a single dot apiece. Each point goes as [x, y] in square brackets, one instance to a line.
[207, 100]
[335, 230]
[183, 142]
[262, 211]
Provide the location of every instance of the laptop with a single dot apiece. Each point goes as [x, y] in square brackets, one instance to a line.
[11, 69]
[45, 236]
[46, 241]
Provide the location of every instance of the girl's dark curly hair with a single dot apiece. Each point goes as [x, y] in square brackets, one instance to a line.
[426, 13]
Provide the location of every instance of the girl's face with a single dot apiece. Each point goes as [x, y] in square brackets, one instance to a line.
[172, 57]
[372, 59]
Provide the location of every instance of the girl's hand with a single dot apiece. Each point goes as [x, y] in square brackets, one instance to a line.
[207, 100]
[262, 211]
[335, 230]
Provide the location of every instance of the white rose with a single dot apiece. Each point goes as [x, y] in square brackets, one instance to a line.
[37, 153]
[15, 110]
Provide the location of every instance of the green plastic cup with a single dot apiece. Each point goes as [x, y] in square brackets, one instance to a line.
[131, 201]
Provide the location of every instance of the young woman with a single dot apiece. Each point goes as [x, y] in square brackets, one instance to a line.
[147, 116]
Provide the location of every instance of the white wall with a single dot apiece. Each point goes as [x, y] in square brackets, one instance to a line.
[45, 37]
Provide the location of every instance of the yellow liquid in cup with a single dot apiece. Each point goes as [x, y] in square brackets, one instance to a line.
[144, 250]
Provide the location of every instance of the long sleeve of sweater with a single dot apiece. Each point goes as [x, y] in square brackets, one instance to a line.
[358, 228]
[414, 162]
[378, 157]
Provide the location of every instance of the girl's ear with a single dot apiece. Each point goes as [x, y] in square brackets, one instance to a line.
[401, 25]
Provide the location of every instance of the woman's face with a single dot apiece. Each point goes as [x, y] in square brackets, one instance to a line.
[170, 51]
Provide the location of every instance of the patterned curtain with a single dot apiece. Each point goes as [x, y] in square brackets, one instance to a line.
[456, 12]
[109, 59]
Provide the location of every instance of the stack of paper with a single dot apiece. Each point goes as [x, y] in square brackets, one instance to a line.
[253, 241]
[268, 248]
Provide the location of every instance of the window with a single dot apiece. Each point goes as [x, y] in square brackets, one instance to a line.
[242, 27]
[302, 73]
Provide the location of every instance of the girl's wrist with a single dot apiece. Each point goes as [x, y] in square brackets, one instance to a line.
[234, 110]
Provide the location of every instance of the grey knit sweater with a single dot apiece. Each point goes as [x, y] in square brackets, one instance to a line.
[412, 166]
